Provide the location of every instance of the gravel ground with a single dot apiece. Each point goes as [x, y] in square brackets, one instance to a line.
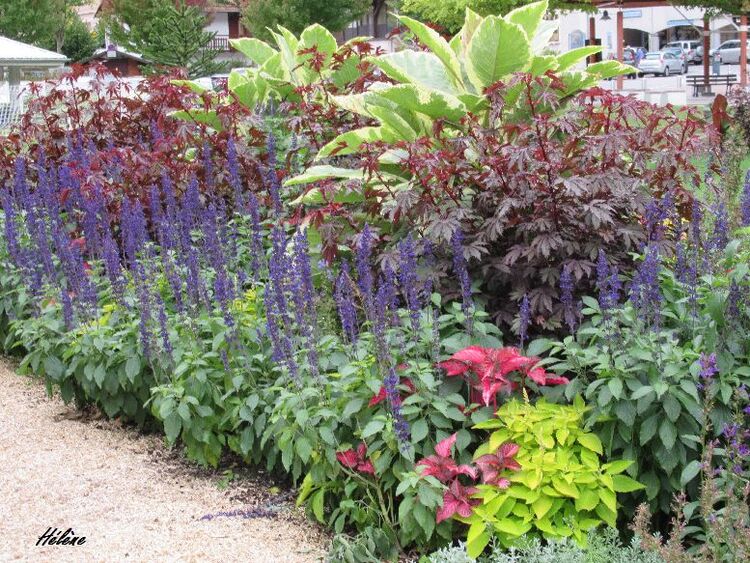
[131, 498]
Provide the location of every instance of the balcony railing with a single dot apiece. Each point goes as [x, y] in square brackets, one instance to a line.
[219, 43]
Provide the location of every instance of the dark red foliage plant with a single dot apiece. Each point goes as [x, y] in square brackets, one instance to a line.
[123, 137]
[540, 182]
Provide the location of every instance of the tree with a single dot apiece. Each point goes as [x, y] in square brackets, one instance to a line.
[717, 7]
[79, 43]
[296, 15]
[449, 14]
[39, 22]
[167, 33]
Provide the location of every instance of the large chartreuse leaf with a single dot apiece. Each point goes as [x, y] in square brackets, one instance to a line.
[324, 172]
[416, 67]
[323, 41]
[400, 127]
[349, 142]
[254, 49]
[570, 58]
[528, 17]
[437, 45]
[208, 117]
[609, 69]
[497, 49]
[435, 105]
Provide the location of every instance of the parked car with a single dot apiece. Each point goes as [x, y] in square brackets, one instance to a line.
[729, 51]
[693, 49]
[680, 53]
[661, 62]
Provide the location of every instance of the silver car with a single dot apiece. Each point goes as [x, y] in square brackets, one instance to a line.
[693, 49]
[729, 51]
[661, 62]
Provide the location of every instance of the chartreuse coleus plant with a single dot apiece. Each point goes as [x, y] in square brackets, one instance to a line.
[562, 488]
[450, 79]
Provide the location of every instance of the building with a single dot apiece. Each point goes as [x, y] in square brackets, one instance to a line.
[223, 20]
[377, 23]
[20, 63]
[650, 28]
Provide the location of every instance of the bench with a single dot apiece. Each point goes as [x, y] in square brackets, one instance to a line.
[700, 87]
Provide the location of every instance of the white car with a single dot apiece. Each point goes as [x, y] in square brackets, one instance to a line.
[693, 49]
[661, 62]
[729, 51]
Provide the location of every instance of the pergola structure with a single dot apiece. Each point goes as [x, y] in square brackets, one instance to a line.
[620, 5]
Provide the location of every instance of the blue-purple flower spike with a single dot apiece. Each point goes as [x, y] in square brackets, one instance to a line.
[524, 319]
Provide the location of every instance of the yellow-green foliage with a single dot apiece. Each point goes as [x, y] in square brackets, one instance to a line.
[563, 489]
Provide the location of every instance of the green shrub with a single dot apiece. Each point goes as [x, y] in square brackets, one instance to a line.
[562, 489]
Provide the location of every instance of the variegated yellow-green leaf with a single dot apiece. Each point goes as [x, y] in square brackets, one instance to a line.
[624, 484]
[437, 45]
[528, 17]
[497, 49]
[254, 49]
[324, 172]
[436, 105]
[609, 69]
[477, 539]
[349, 142]
[570, 58]
[416, 67]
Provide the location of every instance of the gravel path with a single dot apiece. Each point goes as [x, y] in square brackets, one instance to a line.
[126, 493]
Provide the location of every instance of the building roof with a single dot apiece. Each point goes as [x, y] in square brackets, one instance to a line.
[15, 53]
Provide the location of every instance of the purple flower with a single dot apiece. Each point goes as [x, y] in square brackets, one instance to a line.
[524, 318]
[163, 327]
[720, 236]
[462, 273]
[400, 426]
[409, 279]
[745, 202]
[344, 296]
[708, 366]
[695, 223]
[364, 269]
[235, 180]
[645, 292]
[566, 298]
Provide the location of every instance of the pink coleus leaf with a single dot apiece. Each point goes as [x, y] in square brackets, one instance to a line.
[443, 447]
[356, 459]
[456, 500]
[347, 458]
[492, 465]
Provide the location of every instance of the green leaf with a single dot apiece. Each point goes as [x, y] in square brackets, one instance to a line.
[324, 172]
[624, 484]
[513, 527]
[349, 142]
[434, 41]
[570, 58]
[690, 471]
[592, 442]
[615, 387]
[565, 488]
[172, 426]
[587, 500]
[419, 431]
[431, 103]
[54, 368]
[672, 407]
[372, 428]
[541, 506]
[668, 434]
[497, 49]
[254, 49]
[133, 368]
[352, 407]
[424, 70]
[318, 506]
[528, 17]
[477, 539]
[303, 447]
[616, 467]
[648, 429]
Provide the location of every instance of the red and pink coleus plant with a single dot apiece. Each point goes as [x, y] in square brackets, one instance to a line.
[492, 366]
[457, 498]
[356, 459]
